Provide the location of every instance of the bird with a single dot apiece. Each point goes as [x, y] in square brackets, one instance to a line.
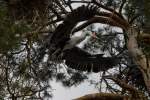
[61, 41]
[75, 40]
[72, 42]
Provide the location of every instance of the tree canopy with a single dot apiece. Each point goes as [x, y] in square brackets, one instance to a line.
[31, 30]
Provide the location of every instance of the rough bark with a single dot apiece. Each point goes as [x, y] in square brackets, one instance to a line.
[145, 37]
[110, 96]
[138, 56]
[103, 96]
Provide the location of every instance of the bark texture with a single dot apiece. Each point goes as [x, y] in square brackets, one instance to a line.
[138, 56]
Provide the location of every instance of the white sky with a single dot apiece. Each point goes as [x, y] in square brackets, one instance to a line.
[63, 93]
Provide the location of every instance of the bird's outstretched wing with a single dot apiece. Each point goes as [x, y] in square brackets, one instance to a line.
[79, 59]
[75, 57]
[62, 33]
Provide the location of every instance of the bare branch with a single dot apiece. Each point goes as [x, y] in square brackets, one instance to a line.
[122, 84]
[134, 18]
[107, 8]
[82, 1]
[135, 94]
[99, 19]
[69, 4]
[121, 6]
[7, 82]
[54, 11]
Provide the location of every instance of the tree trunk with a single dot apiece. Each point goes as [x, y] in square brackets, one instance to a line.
[138, 56]
[103, 96]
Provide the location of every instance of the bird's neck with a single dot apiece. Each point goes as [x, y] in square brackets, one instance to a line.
[83, 34]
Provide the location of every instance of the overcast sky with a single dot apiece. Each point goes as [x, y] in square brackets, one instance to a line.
[62, 93]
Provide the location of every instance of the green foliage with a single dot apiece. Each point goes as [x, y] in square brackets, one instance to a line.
[10, 32]
[147, 11]
[134, 8]
[30, 76]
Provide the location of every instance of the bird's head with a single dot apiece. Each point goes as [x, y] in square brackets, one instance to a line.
[94, 34]
[90, 33]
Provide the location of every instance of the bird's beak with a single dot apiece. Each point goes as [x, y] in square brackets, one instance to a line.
[94, 35]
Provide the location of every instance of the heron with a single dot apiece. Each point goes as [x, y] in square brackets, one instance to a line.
[74, 41]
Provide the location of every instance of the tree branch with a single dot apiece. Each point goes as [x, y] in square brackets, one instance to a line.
[107, 8]
[135, 94]
[121, 6]
[102, 96]
[99, 19]
[138, 56]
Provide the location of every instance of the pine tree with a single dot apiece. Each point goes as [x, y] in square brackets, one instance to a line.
[26, 28]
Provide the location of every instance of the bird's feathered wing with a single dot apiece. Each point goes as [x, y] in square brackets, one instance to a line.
[62, 33]
[59, 38]
[76, 58]
[79, 59]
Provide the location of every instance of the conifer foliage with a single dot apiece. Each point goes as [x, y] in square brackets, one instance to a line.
[34, 32]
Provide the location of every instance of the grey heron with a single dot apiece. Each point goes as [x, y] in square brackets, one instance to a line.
[74, 41]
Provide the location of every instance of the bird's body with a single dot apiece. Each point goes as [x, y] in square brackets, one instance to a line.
[71, 43]
[75, 40]
[61, 43]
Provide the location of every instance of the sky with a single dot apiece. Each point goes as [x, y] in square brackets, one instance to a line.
[63, 93]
